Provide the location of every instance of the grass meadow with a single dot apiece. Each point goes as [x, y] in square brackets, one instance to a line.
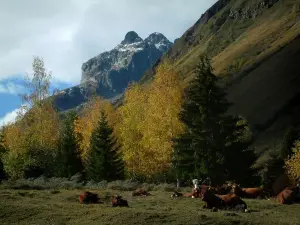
[21, 203]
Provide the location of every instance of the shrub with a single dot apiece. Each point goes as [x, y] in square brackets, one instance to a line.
[293, 164]
[165, 187]
[126, 185]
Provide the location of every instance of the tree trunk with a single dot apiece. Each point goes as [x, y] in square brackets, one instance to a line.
[178, 183]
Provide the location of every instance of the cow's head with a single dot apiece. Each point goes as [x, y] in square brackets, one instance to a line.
[236, 189]
[196, 183]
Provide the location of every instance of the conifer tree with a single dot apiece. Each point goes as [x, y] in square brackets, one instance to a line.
[104, 162]
[69, 161]
[210, 144]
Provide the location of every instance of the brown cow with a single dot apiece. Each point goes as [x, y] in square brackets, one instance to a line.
[88, 198]
[288, 195]
[117, 201]
[249, 192]
[223, 190]
[140, 192]
[196, 192]
[188, 194]
[229, 201]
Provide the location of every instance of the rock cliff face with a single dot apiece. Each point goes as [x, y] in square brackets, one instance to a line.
[219, 5]
[251, 11]
[109, 73]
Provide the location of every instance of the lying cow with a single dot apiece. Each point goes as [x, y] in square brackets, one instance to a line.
[176, 194]
[117, 201]
[196, 191]
[223, 190]
[88, 198]
[229, 201]
[249, 192]
[140, 192]
[189, 195]
[288, 196]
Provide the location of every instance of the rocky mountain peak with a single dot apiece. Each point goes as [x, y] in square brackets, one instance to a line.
[109, 73]
[131, 37]
[159, 41]
[155, 38]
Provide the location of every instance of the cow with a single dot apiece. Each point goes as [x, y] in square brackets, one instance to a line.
[196, 193]
[176, 194]
[229, 201]
[140, 192]
[117, 201]
[88, 198]
[196, 190]
[288, 195]
[249, 192]
[222, 190]
[188, 194]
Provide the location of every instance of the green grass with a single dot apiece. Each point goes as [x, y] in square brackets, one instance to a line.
[62, 207]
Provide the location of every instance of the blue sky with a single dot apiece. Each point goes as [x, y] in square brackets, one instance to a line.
[10, 90]
[67, 33]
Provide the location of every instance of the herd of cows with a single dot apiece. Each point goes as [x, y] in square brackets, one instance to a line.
[225, 197]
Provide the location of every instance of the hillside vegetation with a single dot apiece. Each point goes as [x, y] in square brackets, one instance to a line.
[171, 130]
[239, 34]
[254, 46]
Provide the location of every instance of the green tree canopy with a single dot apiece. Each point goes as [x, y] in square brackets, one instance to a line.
[69, 161]
[104, 161]
[211, 145]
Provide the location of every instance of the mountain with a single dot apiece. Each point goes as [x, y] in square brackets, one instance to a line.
[109, 73]
[255, 46]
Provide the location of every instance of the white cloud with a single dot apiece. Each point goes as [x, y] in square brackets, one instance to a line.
[11, 88]
[9, 117]
[67, 33]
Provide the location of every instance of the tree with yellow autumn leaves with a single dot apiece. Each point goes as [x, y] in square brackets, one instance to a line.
[85, 125]
[32, 140]
[161, 124]
[293, 163]
[149, 121]
[130, 129]
[2, 152]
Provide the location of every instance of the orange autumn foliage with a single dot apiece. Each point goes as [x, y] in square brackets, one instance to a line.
[88, 120]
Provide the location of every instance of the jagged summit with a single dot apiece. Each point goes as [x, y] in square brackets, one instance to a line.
[159, 41]
[155, 37]
[109, 73]
[131, 37]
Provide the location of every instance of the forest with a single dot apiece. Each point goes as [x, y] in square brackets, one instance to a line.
[165, 131]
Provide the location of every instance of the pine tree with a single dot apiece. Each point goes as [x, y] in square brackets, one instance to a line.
[69, 161]
[104, 161]
[210, 143]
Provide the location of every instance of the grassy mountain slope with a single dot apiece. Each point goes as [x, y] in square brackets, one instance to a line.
[235, 43]
[255, 47]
